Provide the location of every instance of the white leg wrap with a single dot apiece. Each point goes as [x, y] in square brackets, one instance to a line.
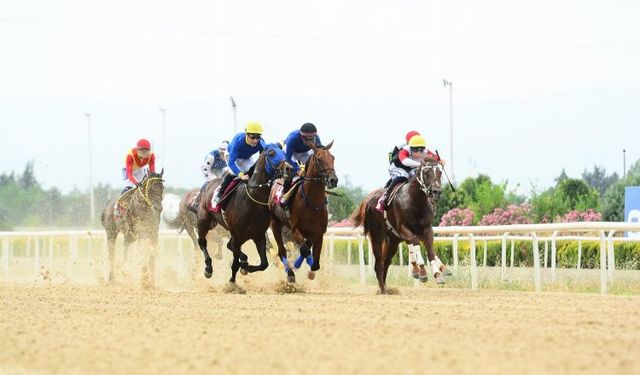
[415, 255]
[435, 267]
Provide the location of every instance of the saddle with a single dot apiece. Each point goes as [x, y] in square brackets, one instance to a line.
[122, 203]
[223, 201]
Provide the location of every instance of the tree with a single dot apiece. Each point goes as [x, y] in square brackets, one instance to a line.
[599, 180]
[613, 200]
[449, 200]
[563, 176]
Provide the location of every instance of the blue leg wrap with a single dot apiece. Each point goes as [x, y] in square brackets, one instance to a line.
[298, 262]
[310, 260]
[285, 262]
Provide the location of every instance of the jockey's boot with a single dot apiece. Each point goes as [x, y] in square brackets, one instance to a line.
[382, 201]
[223, 186]
[286, 186]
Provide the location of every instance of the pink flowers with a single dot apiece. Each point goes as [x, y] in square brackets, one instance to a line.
[575, 216]
[456, 217]
[513, 214]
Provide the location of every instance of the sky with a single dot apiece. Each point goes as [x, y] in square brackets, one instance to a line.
[537, 85]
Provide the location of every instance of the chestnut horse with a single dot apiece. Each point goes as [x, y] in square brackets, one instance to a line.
[140, 220]
[308, 213]
[247, 213]
[408, 217]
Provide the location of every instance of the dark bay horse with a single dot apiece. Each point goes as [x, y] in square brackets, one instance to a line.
[308, 213]
[409, 219]
[247, 213]
[139, 221]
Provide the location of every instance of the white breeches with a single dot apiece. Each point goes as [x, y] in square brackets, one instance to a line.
[137, 173]
[302, 157]
[246, 164]
[398, 172]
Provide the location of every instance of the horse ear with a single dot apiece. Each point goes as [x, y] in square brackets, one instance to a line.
[161, 171]
[329, 145]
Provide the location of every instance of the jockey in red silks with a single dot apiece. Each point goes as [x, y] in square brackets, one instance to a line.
[138, 162]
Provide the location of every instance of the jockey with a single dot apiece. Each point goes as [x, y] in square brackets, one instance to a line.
[215, 163]
[298, 149]
[138, 161]
[403, 165]
[241, 149]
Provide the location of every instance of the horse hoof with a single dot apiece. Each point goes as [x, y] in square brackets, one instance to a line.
[291, 279]
[447, 272]
[439, 279]
[423, 278]
[311, 275]
[416, 275]
[208, 273]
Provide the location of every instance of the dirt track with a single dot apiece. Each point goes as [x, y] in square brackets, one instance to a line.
[330, 328]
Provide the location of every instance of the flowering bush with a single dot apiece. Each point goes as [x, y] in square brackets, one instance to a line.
[457, 216]
[588, 215]
[513, 214]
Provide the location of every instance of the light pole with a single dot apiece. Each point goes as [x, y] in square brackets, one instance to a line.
[235, 119]
[92, 211]
[164, 150]
[450, 84]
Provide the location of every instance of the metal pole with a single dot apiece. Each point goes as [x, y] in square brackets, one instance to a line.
[450, 84]
[235, 119]
[624, 163]
[163, 112]
[92, 210]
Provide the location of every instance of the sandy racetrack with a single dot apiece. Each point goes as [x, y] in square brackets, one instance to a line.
[338, 329]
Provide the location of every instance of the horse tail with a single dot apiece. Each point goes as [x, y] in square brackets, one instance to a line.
[359, 214]
[175, 223]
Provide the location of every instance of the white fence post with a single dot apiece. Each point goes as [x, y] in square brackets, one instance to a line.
[455, 252]
[472, 260]
[484, 256]
[503, 257]
[400, 247]
[349, 252]
[331, 251]
[36, 260]
[363, 274]
[611, 262]
[370, 257]
[579, 253]
[553, 255]
[546, 250]
[512, 252]
[603, 263]
[536, 263]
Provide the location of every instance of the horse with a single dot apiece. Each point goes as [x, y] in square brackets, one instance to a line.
[247, 214]
[139, 221]
[407, 218]
[308, 213]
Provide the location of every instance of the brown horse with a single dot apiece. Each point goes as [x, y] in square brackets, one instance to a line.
[408, 217]
[247, 213]
[187, 220]
[139, 221]
[308, 214]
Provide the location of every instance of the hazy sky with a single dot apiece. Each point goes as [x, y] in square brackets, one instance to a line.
[537, 85]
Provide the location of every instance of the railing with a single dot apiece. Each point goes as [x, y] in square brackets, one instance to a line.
[548, 233]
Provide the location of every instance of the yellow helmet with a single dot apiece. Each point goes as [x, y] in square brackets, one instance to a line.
[254, 127]
[417, 141]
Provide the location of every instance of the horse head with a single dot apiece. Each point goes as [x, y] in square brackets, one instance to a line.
[152, 188]
[429, 175]
[276, 164]
[321, 166]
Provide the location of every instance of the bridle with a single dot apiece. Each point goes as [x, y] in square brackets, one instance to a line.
[144, 191]
[428, 190]
[323, 174]
[277, 172]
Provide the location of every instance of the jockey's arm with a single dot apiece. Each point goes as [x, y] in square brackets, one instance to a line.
[129, 168]
[405, 160]
[152, 163]
[206, 167]
[289, 155]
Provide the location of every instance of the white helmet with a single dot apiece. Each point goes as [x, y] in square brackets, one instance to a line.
[223, 146]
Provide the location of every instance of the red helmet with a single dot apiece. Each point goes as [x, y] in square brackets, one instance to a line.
[143, 143]
[410, 135]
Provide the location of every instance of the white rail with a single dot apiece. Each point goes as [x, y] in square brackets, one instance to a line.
[547, 233]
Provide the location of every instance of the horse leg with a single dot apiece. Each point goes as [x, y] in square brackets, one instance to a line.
[261, 246]
[390, 249]
[235, 264]
[377, 249]
[314, 261]
[431, 256]
[112, 235]
[203, 229]
[276, 229]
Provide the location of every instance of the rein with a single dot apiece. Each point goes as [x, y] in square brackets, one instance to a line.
[269, 183]
[145, 194]
[426, 189]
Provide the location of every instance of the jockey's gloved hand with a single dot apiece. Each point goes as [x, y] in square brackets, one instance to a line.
[138, 184]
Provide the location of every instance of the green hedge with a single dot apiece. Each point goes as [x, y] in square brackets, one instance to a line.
[627, 255]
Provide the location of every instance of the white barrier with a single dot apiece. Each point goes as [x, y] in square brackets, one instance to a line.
[504, 233]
